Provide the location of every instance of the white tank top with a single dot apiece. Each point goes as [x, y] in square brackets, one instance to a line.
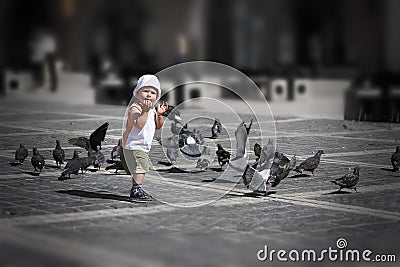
[142, 139]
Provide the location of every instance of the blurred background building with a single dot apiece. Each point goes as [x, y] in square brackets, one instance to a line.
[276, 42]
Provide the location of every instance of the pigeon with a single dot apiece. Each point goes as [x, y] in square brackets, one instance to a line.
[72, 167]
[116, 151]
[94, 141]
[172, 145]
[21, 153]
[239, 162]
[279, 170]
[85, 163]
[175, 129]
[267, 154]
[189, 142]
[216, 129]
[202, 163]
[223, 156]
[292, 163]
[310, 164]
[37, 160]
[350, 180]
[396, 159]
[58, 154]
[258, 174]
[173, 113]
[257, 150]
[117, 166]
[205, 159]
[97, 156]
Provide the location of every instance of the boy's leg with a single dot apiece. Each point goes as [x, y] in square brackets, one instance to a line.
[137, 179]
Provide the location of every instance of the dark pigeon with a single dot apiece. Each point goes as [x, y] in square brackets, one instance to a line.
[248, 128]
[94, 141]
[37, 160]
[248, 174]
[116, 151]
[279, 170]
[257, 150]
[216, 129]
[310, 164]
[396, 159]
[117, 166]
[349, 181]
[58, 154]
[223, 156]
[72, 167]
[21, 153]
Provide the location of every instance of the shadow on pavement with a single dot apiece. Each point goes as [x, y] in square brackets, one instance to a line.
[387, 169]
[338, 193]
[32, 173]
[82, 193]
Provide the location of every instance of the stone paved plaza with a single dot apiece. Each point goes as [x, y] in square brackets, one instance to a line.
[209, 219]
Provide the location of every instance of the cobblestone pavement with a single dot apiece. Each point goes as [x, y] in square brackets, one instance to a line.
[88, 220]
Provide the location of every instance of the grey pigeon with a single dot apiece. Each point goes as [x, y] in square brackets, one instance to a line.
[173, 113]
[202, 163]
[223, 156]
[116, 151]
[172, 145]
[37, 160]
[396, 159]
[260, 171]
[94, 141]
[216, 129]
[176, 129]
[58, 154]
[21, 153]
[117, 166]
[189, 142]
[72, 167]
[267, 154]
[239, 162]
[293, 162]
[205, 160]
[97, 156]
[85, 162]
[350, 180]
[310, 164]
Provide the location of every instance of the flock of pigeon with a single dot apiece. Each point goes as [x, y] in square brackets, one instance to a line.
[92, 145]
[269, 168]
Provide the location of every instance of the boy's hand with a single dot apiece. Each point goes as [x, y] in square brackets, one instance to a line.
[146, 105]
[161, 108]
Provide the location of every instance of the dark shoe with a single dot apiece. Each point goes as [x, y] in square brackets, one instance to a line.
[139, 195]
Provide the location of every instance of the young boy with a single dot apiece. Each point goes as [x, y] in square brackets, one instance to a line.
[143, 119]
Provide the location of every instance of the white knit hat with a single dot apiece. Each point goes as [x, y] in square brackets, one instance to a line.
[148, 80]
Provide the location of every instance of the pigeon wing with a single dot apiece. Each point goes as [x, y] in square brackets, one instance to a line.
[82, 142]
[241, 139]
[267, 154]
[98, 136]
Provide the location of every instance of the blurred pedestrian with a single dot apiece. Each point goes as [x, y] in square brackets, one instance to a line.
[43, 49]
[142, 121]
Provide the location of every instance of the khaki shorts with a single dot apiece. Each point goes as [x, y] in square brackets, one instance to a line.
[137, 160]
